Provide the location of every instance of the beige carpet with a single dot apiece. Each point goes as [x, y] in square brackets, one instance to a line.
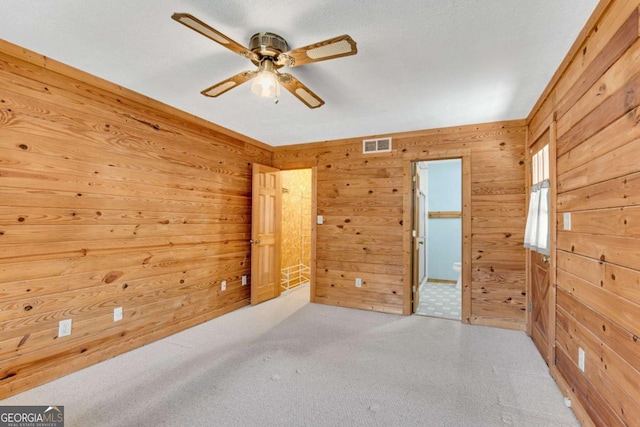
[290, 363]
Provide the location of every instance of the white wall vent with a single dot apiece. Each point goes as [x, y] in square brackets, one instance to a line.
[382, 145]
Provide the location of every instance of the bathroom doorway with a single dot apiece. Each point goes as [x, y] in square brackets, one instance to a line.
[296, 231]
[438, 238]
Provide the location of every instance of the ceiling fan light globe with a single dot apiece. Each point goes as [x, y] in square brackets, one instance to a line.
[266, 85]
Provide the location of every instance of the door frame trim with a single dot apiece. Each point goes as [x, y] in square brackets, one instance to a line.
[314, 227]
[465, 156]
[531, 139]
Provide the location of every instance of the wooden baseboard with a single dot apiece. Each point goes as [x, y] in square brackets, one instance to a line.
[497, 323]
[576, 406]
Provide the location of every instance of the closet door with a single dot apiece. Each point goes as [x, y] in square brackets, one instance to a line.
[265, 233]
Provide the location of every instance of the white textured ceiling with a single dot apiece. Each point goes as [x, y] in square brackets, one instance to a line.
[421, 64]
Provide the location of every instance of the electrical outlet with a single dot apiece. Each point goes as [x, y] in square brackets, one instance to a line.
[117, 314]
[64, 328]
[244, 280]
[581, 359]
[358, 282]
[223, 286]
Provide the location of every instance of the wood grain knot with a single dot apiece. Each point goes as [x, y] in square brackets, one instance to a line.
[9, 375]
[112, 276]
[24, 340]
[23, 147]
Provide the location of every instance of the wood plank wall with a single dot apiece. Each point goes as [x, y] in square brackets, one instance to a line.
[110, 199]
[362, 199]
[594, 98]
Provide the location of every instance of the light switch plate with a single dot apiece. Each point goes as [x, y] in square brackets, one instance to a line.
[223, 286]
[244, 280]
[581, 359]
[358, 282]
[320, 220]
[566, 220]
[117, 314]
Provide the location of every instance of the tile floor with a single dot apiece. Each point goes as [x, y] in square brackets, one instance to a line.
[440, 300]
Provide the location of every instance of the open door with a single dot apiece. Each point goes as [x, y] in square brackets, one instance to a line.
[417, 239]
[265, 233]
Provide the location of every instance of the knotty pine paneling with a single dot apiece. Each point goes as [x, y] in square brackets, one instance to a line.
[595, 103]
[110, 200]
[362, 196]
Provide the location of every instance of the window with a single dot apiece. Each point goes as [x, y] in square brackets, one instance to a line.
[536, 234]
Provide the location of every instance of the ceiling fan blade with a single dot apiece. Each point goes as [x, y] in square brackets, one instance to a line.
[336, 47]
[215, 35]
[300, 91]
[228, 84]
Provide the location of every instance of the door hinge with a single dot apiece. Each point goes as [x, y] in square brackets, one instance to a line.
[414, 178]
[530, 306]
[414, 288]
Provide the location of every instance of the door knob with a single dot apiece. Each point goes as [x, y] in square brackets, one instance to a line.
[545, 259]
[254, 241]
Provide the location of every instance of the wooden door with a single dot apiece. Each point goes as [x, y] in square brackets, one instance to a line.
[265, 233]
[423, 236]
[417, 243]
[539, 276]
[539, 265]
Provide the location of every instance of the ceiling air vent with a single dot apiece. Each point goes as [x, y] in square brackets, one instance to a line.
[382, 145]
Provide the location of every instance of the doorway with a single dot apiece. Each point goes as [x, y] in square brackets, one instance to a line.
[296, 247]
[541, 259]
[437, 226]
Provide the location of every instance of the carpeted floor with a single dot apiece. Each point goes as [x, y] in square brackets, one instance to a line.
[290, 363]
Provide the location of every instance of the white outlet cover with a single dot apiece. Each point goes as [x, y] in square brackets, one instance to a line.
[320, 220]
[358, 282]
[581, 359]
[244, 280]
[223, 286]
[64, 328]
[566, 220]
[117, 314]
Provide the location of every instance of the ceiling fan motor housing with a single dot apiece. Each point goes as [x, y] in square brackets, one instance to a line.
[268, 44]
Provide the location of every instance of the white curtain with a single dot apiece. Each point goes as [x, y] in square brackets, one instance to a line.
[536, 233]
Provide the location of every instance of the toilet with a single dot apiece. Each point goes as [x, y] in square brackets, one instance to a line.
[457, 267]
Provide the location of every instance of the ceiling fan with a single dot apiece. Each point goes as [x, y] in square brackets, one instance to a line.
[270, 52]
